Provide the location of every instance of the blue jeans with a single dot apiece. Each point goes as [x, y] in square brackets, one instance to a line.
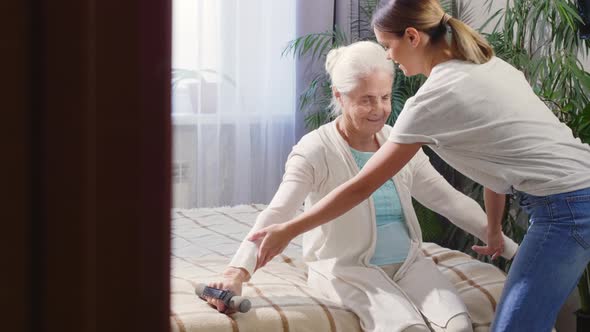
[549, 262]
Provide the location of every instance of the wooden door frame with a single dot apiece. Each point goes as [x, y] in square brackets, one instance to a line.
[89, 143]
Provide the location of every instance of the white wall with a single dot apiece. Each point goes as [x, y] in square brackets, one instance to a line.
[481, 11]
[481, 16]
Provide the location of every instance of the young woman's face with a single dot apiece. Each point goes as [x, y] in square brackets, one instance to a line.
[367, 107]
[402, 50]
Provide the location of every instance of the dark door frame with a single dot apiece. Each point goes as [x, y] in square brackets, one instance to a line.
[87, 148]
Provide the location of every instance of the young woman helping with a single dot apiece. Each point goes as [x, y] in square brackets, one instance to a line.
[482, 117]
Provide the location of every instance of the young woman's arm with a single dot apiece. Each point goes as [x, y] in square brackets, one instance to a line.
[494, 204]
[386, 162]
[434, 192]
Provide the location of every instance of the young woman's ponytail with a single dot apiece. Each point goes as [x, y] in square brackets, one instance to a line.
[467, 44]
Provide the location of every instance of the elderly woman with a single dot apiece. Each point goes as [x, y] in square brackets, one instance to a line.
[368, 259]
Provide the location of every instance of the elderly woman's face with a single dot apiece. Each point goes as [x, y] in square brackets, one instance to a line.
[368, 106]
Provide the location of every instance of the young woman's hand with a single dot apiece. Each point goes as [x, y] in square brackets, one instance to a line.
[232, 280]
[495, 204]
[271, 240]
[495, 244]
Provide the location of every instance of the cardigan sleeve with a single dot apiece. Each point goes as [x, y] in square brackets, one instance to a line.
[303, 171]
[434, 192]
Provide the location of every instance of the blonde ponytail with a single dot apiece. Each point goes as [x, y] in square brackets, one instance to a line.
[467, 44]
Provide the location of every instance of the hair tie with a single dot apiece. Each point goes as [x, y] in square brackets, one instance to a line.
[445, 19]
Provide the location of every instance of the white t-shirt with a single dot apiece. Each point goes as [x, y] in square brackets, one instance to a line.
[486, 122]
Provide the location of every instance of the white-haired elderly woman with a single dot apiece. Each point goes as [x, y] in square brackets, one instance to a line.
[368, 259]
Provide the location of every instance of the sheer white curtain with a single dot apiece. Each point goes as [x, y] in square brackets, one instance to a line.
[234, 100]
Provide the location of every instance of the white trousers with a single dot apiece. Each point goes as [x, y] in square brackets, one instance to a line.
[458, 323]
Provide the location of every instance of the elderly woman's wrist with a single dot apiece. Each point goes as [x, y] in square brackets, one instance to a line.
[236, 273]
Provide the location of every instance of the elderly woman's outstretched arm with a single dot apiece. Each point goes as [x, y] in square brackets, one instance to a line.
[300, 175]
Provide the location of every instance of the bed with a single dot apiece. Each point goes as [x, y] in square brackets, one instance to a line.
[205, 239]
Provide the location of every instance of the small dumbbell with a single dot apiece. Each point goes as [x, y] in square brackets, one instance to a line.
[237, 303]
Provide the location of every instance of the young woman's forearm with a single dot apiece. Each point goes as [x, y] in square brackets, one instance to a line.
[386, 162]
[335, 204]
[494, 204]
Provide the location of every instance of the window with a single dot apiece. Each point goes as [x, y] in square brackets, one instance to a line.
[233, 100]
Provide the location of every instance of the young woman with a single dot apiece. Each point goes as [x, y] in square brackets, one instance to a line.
[369, 259]
[481, 116]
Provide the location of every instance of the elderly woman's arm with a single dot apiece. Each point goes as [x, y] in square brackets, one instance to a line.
[434, 192]
[298, 181]
[296, 185]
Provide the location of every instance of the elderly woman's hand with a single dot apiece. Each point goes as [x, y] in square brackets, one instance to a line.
[232, 280]
[271, 241]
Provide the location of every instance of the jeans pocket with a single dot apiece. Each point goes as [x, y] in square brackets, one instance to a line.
[580, 209]
[539, 212]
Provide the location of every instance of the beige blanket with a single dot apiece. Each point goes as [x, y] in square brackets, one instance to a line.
[205, 239]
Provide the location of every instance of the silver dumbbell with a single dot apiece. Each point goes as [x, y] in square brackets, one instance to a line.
[237, 303]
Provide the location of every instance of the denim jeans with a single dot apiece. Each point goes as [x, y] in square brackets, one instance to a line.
[549, 262]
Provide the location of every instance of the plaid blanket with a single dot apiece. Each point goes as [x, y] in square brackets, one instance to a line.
[204, 241]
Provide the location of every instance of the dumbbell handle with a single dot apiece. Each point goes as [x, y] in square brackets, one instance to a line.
[234, 302]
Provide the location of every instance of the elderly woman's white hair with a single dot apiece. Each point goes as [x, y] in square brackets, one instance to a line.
[347, 64]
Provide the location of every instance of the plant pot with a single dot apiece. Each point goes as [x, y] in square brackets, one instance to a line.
[582, 321]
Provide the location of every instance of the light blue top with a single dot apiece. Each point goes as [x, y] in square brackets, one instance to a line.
[393, 240]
